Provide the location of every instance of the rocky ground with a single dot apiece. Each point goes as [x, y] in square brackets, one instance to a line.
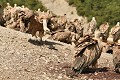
[23, 59]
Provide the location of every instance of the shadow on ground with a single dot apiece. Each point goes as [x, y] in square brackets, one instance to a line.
[98, 73]
[49, 43]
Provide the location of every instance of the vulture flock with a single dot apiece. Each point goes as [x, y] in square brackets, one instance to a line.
[88, 41]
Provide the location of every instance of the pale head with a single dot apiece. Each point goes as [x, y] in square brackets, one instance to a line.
[118, 24]
[15, 5]
[107, 23]
[118, 42]
[23, 6]
[93, 19]
[48, 11]
[38, 9]
[8, 4]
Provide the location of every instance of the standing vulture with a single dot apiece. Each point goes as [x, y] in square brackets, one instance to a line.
[104, 29]
[92, 25]
[114, 33]
[89, 28]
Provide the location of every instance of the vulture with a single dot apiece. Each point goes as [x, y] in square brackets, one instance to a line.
[89, 28]
[92, 25]
[87, 53]
[104, 29]
[114, 33]
[116, 58]
[115, 51]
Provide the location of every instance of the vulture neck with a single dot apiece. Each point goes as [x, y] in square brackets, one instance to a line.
[110, 38]
[99, 39]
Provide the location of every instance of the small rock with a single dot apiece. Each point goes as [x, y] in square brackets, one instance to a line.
[83, 77]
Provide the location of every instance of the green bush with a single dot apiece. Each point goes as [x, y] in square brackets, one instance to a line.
[103, 10]
[32, 4]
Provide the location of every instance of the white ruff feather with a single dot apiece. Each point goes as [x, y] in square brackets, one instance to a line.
[110, 39]
[45, 25]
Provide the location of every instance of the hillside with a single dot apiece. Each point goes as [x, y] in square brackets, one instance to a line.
[21, 59]
[102, 10]
[60, 7]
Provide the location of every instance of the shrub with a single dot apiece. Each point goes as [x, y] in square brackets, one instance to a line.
[103, 10]
[32, 4]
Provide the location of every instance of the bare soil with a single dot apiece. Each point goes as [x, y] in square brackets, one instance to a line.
[61, 7]
[23, 59]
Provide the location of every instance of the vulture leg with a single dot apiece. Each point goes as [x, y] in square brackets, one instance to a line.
[41, 34]
[34, 35]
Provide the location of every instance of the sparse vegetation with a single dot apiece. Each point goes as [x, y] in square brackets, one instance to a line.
[32, 4]
[103, 10]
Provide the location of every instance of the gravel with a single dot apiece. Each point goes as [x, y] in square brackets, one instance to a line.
[21, 59]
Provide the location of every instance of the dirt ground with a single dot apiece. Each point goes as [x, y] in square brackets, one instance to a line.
[22, 59]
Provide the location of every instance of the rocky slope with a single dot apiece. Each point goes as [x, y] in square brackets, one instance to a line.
[60, 7]
[22, 59]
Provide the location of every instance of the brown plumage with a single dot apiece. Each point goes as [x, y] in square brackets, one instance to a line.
[87, 53]
[52, 23]
[115, 51]
[104, 29]
[86, 56]
[116, 58]
[92, 25]
[35, 26]
[115, 33]
[63, 36]
[70, 26]
[89, 28]
[78, 27]
[62, 20]
[114, 37]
